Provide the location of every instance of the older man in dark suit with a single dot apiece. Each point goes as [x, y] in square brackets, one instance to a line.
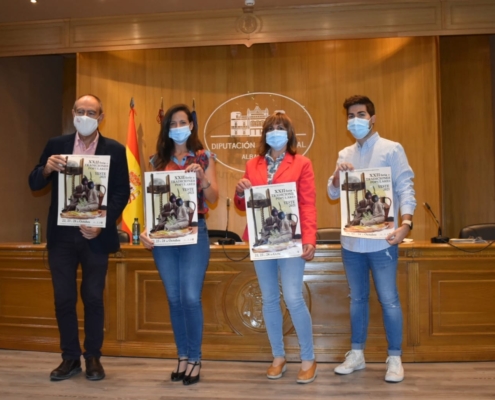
[88, 246]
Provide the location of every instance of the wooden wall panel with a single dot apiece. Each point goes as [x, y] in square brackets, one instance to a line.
[27, 315]
[348, 21]
[460, 15]
[455, 305]
[447, 298]
[45, 36]
[398, 74]
[457, 294]
[31, 98]
[68, 92]
[467, 132]
[370, 19]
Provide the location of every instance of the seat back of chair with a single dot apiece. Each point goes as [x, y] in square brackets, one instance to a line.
[484, 231]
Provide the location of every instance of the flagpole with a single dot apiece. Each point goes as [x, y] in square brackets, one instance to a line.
[134, 208]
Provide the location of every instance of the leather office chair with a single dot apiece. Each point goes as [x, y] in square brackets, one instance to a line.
[485, 231]
[123, 236]
[214, 235]
[328, 236]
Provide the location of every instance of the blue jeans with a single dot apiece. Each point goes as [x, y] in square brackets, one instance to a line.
[291, 276]
[383, 265]
[183, 269]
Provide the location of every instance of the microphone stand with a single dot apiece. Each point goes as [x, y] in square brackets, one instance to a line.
[440, 238]
[227, 240]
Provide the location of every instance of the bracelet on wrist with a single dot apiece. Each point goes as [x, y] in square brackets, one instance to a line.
[207, 186]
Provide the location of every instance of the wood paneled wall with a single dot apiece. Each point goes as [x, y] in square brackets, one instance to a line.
[447, 298]
[467, 132]
[31, 100]
[399, 75]
[336, 20]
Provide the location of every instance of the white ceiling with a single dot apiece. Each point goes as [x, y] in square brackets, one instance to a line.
[24, 10]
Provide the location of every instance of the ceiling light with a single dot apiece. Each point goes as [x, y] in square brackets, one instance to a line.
[34, 1]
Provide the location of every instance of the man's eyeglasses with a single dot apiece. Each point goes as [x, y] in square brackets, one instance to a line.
[90, 113]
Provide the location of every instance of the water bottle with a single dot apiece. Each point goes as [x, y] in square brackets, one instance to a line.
[136, 230]
[36, 231]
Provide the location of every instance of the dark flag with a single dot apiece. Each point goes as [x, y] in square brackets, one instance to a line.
[161, 114]
[194, 116]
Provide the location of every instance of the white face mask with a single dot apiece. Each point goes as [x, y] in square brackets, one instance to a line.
[359, 127]
[85, 125]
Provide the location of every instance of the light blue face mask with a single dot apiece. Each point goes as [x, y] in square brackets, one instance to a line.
[277, 139]
[180, 135]
[359, 127]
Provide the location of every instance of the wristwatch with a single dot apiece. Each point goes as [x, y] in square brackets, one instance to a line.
[408, 222]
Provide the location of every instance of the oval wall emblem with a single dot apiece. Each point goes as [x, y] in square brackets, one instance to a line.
[233, 130]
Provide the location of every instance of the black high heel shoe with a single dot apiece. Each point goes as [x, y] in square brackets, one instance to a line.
[190, 380]
[177, 376]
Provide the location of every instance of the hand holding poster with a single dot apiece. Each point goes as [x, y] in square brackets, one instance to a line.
[273, 221]
[171, 209]
[366, 203]
[82, 191]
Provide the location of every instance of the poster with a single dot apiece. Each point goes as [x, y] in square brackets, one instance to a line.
[82, 191]
[273, 221]
[366, 203]
[171, 209]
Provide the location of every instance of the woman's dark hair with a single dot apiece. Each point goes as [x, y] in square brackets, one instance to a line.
[276, 119]
[165, 146]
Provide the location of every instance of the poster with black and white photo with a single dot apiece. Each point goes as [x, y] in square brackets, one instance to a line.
[171, 209]
[82, 191]
[273, 221]
[366, 203]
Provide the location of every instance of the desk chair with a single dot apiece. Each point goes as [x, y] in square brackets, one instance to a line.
[214, 235]
[123, 236]
[328, 236]
[485, 231]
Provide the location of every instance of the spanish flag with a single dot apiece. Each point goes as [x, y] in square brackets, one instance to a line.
[134, 208]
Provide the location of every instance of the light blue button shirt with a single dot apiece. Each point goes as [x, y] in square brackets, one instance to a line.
[378, 152]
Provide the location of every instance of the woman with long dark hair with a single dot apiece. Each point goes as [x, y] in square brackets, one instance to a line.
[183, 268]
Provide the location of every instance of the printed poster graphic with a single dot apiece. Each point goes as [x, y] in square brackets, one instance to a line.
[171, 209]
[366, 203]
[273, 221]
[82, 191]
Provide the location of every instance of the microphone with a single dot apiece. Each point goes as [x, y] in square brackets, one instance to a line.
[227, 240]
[440, 238]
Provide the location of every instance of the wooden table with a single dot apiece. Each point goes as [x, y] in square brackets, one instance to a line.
[447, 295]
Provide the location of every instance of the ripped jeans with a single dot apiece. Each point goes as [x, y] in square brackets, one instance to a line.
[383, 266]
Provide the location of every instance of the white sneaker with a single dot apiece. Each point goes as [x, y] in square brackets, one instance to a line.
[395, 371]
[354, 361]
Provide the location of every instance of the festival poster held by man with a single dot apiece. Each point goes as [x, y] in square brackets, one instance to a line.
[69, 246]
[360, 255]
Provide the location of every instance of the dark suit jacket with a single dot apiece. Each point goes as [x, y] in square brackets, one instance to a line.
[118, 189]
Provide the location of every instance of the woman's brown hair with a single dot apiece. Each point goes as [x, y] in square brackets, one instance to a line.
[278, 118]
[165, 146]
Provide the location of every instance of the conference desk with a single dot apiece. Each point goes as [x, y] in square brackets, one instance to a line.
[447, 295]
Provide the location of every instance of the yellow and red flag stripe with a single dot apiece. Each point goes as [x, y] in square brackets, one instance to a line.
[134, 208]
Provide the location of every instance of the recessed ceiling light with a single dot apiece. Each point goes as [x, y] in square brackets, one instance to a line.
[34, 1]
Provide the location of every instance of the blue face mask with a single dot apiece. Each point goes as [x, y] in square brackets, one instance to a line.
[180, 135]
[277, 139]
[359, 127]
